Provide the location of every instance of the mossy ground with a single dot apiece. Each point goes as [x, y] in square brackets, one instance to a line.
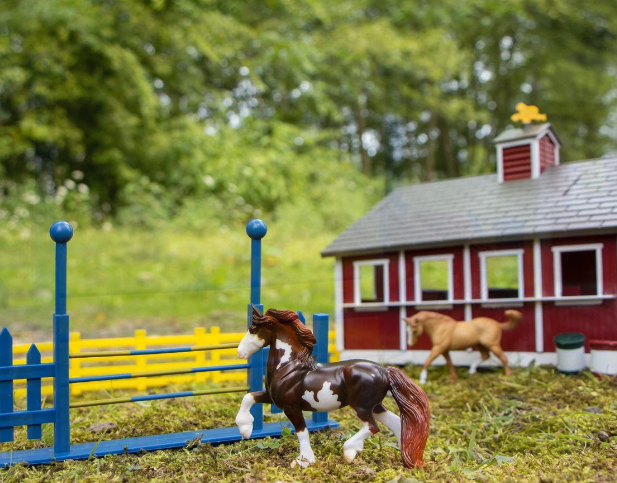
[533, 426]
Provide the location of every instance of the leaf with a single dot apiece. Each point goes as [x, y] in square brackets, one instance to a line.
[500, 459]
[472, 443]
[286, 432]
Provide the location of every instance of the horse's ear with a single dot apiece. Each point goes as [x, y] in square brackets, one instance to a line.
[256, 311]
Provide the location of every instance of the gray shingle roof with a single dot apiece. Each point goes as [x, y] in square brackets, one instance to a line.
[573, 197]
[526, 132]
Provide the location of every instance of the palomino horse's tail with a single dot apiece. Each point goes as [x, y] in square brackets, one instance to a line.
[514, 319]
[413, 405]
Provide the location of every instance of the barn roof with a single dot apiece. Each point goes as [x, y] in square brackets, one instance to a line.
[526, 132]
[566, 199]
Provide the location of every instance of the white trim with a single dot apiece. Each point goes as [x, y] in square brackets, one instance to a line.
[500, 253]
[582, 299]
[537, 289]
[559, 249]
[557, 147]
[417, 261]
[385, 262]
[467, 288]
[402, 296]
[459, 358]
[338, 304]
[500, 163]
[535, 159]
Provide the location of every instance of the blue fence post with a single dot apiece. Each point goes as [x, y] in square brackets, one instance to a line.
[6, 387]
[33, 392]
[256, 230]
[320, 329]
[61, 232]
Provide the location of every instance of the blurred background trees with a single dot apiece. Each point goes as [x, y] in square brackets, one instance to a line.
[139, 111]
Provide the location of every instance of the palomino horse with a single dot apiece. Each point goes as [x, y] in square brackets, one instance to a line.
[447, 334]
[295, 384]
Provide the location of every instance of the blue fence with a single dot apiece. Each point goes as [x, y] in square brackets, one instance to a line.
[33, 371]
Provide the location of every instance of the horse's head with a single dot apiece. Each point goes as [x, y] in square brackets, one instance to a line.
[296, 340]
[415, 329]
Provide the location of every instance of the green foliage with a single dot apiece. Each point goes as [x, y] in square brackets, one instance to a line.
[167, 105]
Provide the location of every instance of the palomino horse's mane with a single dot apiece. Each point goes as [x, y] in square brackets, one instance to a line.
[289, 317]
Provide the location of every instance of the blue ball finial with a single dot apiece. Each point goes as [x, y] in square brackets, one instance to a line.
[61, 232]
[256, 229]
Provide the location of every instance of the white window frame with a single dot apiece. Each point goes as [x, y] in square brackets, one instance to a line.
[484, 278]
[357, 289]
[417, 273]
[558, 282]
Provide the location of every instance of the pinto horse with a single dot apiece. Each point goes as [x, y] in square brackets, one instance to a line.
[295, 384]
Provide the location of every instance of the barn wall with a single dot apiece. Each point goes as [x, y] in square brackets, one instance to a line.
[371, 329]
[528, 280]
[517, 162]
[547, 153]
[523, 337]
[595, 321]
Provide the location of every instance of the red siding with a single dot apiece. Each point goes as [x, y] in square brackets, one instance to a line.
[372, 329]
[517, 162]
[595, 321]
[547, 153]
[522, 338]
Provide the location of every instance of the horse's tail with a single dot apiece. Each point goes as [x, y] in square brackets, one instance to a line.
[514, 319]
[413, 405]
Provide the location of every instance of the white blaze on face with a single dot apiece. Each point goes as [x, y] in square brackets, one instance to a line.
[326, 399]
[286, 348]
[249, 344]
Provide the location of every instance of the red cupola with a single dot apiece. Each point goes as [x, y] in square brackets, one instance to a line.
[524, 153]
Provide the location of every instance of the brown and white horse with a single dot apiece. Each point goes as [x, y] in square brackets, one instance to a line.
[295, 384]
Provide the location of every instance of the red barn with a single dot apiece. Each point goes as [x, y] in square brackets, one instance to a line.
[538, 236]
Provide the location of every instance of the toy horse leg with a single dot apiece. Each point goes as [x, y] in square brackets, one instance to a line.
[306, 452]
[244, 419]
[356, 442]
[389, 420]
[484, 356]
[498, 351]
[450, 366]
[435, 352]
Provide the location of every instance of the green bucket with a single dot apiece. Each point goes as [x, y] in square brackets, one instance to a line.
[571, 340]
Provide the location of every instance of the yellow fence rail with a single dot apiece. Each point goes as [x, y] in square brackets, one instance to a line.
[155, 362]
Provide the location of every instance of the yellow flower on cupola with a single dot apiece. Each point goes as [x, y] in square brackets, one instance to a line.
[527, 114]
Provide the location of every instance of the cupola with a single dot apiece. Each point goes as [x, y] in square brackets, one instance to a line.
[525, 152]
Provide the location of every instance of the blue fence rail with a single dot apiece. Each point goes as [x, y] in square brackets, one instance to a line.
[33, 371]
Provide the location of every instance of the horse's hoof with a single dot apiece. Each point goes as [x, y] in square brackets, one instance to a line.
[303, 461]
[423, 377]
[246, 430]
[349, 455]
[472, 371]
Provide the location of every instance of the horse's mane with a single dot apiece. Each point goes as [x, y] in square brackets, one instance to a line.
[304, 335]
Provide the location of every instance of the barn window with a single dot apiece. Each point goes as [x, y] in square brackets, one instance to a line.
[433, 277]
[578, 270]
[501, 274]
[371, 281]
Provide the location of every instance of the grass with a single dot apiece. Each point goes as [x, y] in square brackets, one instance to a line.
[533, 426]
